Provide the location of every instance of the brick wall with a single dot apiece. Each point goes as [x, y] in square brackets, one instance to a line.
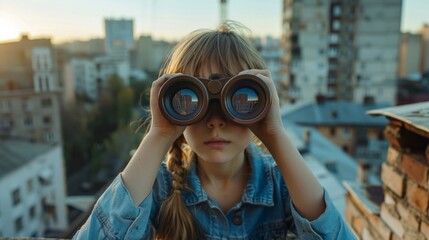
[403, 212]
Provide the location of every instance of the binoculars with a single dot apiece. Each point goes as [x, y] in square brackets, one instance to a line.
[244, 99]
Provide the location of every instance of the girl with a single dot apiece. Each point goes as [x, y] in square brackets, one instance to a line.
[214, 183]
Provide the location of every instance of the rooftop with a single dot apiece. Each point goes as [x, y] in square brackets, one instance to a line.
[16, 153]
[334, 113]
[414, 116]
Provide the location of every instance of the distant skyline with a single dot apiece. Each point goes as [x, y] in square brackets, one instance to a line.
[163, 19]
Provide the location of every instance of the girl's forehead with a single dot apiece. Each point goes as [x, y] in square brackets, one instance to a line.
[210, 69]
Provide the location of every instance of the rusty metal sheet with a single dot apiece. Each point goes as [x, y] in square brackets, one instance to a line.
[415, 115]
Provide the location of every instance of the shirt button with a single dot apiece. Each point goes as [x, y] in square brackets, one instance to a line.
[237, 220]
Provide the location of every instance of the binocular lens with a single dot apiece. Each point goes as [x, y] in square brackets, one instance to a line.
[245, 100]
[185, 102]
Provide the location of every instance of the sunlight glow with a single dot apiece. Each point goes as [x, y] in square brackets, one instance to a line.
[8, 30]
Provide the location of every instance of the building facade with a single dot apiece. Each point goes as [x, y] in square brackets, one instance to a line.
[119, 37]
[32, 184]
[344, 50]
[29, 89]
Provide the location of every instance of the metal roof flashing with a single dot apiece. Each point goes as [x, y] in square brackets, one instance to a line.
[415, 117]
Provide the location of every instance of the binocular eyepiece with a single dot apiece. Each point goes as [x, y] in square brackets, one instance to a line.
[244, 99]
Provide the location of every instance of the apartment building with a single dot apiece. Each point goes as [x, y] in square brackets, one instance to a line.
[29, 105]
[344, 50]
[32, 183]
[119, 36]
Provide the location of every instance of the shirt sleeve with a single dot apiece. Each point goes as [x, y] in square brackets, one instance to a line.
[329, 225]
[116, 217]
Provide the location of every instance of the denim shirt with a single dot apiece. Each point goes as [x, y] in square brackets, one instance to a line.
[264, 212]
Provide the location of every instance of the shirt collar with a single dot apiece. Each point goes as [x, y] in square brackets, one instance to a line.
[259, 189]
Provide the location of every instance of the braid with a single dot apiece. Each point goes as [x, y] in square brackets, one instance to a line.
[174, 220]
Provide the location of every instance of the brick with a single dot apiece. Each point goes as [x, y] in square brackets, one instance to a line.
[392, 221]
[351, 210]
[395, 237]
[427, 153]
[389, 199]
[393, 180]
[402, 138]
[367, 235]
[380, 227]
[417, 170]
[393, 156]
[413, 235]
[424, 229]
[409, 221]
[358, 225]
[417, 197]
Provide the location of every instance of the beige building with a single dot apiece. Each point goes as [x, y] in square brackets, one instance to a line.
[347, 125]
[414, 53]
[344, 50]
[29, 115]
[29, 105]
[411, 54]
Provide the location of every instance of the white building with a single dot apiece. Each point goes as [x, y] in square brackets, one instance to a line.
[119, 37]
[108, 66]
[43, 69]
[341, 49]
[80, 77]
[32, 185]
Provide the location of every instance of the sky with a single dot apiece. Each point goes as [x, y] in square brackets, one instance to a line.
[163, 19]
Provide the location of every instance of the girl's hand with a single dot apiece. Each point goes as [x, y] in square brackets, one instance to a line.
[271, 125]
[160, 126]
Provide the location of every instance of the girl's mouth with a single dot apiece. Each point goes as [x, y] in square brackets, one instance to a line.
[217, 143]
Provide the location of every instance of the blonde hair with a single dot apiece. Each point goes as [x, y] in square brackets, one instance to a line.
[226, 50]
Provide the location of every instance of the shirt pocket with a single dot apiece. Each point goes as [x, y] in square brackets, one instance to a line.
[271, 230]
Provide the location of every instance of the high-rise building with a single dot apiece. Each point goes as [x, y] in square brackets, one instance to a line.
[119, 37]
[341, 49]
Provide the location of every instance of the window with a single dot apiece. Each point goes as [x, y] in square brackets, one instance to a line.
[4, 106]
[16, 197]
[336, 11]
[336, 25]
[27, 105]
[333, 52]
[30, 185]
[346, 133]
[32, 212]
[19, 224]
[47, 120]
[46, 102]
[28, 121]
[333, 38]
[49, 137]
[333, 131]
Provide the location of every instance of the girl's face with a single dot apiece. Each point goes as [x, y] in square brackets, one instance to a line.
[215, 139]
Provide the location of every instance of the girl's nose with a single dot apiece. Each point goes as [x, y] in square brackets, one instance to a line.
[215, 118]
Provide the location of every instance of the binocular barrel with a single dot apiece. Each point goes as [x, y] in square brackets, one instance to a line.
[185, 100]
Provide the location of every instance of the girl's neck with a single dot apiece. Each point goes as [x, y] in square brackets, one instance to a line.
[223, 173]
